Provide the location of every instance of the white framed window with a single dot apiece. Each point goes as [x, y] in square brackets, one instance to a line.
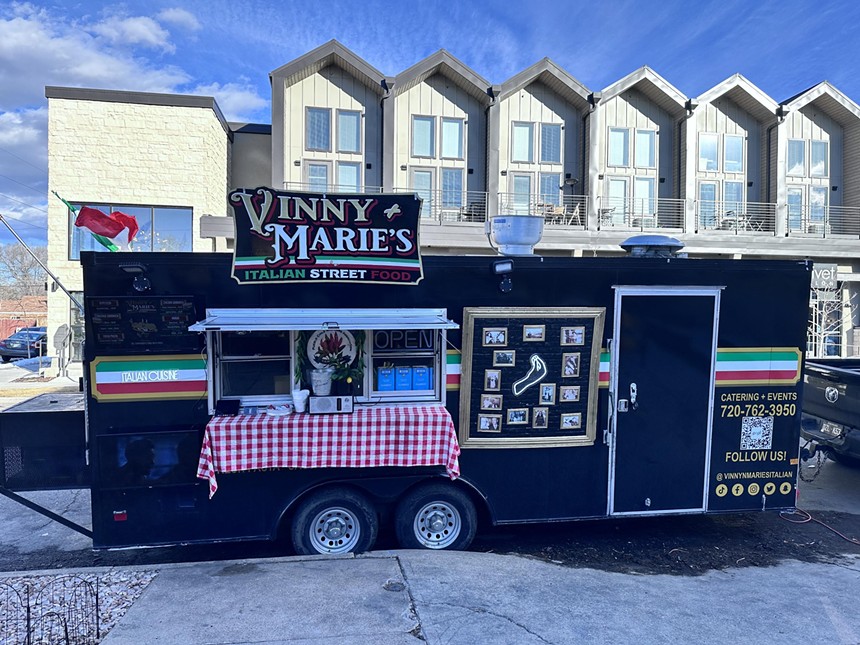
[796, 158]
[818, 197]
[644, 193]
[423, 136]
[645, 149]
[794, 199]
[522, 142]
[733, 196]
[348, 176]
[452, 138]
[422, 181]
[733, 153]
[615, 208]
[550, 143]
[348, 131]
[521, 193]
[619, 147]
[317, 177]
[318, 129]
[708, 204]
[549, 186]
[452, 187]
[709, 151]
[819, 158]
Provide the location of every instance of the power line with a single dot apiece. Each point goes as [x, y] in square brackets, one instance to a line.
[35, 208]
[9, 152]
[36, 190]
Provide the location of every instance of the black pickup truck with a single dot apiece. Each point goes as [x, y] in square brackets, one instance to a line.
[831, 407]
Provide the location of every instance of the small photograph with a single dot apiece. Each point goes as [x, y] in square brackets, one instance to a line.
[493, 380]
[540, 418]
[534, 333]
[568, 393]
[547, 393]
[573, 335]
[491, 401]
[504, 357]
[489, 423]
[570, 364]
[518, 416]
[495, 337]
[571, 421]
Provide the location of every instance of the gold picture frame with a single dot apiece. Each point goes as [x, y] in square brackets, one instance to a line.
[475, 320]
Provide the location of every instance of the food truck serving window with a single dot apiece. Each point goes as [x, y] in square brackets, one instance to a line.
[377, 355]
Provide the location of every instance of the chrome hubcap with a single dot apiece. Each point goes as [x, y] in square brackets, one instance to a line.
[437, 525]
[335, 530]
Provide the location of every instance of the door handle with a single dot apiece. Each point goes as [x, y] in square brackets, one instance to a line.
[633, 392]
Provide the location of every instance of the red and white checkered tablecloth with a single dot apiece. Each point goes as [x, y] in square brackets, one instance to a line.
[414, 435]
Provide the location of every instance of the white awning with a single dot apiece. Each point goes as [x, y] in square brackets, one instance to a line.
[312, 319]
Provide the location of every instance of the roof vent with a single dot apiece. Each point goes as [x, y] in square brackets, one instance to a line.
[514, 234]
[653, 246]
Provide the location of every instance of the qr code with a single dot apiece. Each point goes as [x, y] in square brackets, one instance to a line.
[757, 433]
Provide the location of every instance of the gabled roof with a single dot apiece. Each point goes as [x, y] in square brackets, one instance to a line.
[554, 77]
[331, 53]
[442, 62]
[652, 85]
[747, 96]
[836, 104]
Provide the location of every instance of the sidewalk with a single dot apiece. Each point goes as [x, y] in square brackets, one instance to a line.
[401, 597]
[28, 377]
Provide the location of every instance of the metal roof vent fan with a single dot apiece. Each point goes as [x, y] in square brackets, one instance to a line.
[514, 234]
[653, 246]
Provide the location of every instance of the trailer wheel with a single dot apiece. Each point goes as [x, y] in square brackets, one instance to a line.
[436, 516]
[334, 521]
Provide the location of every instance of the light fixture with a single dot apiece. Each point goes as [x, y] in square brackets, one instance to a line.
[504, 268]
[135, 268]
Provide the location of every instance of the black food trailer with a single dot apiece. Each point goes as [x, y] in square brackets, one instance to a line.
[443, 389]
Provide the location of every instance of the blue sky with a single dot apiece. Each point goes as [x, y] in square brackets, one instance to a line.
[226, 49]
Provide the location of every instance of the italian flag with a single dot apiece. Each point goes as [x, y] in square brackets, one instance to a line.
[758, 366]
[104, 228]
[453, 370]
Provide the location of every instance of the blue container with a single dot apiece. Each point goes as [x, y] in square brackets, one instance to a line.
[403, 378]
[422, 377]
[385, 379]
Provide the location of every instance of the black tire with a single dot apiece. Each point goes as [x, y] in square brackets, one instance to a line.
[337, 520]
[6, 359]
[436, 516]
[845, 460]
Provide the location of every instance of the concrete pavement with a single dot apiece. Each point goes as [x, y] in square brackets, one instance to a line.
[449, 597]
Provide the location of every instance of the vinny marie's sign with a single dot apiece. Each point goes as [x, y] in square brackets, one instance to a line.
[315, 237]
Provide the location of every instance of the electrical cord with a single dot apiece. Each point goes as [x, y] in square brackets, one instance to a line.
[806, 517]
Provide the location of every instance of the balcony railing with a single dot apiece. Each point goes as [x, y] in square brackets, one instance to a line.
[569, 211]
[736, 217]
[317, 187]
[822, 221]
[641, 214]
[441, 206]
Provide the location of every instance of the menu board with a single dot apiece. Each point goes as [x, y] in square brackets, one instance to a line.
[143, 324]
[530, 376]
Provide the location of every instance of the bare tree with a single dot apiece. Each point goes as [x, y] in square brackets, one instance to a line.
[20, 274]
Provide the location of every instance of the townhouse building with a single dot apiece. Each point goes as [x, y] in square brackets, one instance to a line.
[731, 173]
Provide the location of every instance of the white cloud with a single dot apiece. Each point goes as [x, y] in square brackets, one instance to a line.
[136, 30]
[180, 18]
[237, 100]
[37, 49]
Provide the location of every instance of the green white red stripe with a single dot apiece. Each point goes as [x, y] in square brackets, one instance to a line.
[149, 377]
[453, 370]
[758, 366]
[603, 375]
[352, 262]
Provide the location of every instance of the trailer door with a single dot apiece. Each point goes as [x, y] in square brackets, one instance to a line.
[662, 388]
